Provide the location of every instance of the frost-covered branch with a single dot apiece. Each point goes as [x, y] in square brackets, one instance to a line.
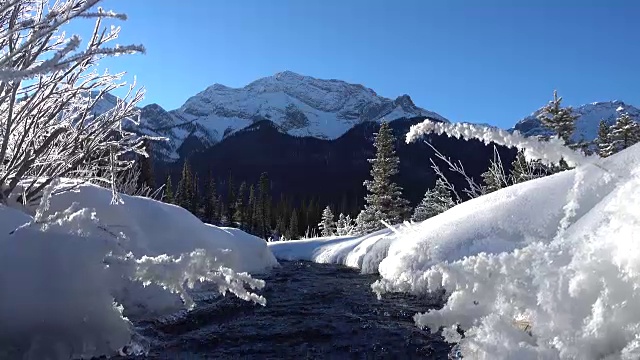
[473, 190]
[551, 152]
[50, 92]
[188, 269]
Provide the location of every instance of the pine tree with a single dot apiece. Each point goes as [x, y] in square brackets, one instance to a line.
[603, 141]
[195, 197]
[168, 191]
[435, 201]
[222, 211]
[327, 225]
[345, 225]
[211, 203]
[524, 170]
[365, 223]
[558, 119]
[293, 231]
[625, 132]
[494, 178]
[184, 194]
[384, 201]
[264, 206]
[282, 223]
[240, 215]
[231, 198]
[251, 210]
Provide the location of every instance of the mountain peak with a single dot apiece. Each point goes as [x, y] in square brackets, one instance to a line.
[297, 104]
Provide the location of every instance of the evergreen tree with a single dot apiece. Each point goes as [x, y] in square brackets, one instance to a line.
[345, 225]
[524, 170]
[435, 201]
[251, 210]
[293, 231]
[494, 178]
[264, 206]
[282, 223]
[231, 198]
[184, 195]
[195, 197]
[211, 206]
[240, 215]
[168, 191]
[604, 141]
[558, 119]
[625, 132]
[384, 201]
[327, 225]
[223, 212]
[366, 223]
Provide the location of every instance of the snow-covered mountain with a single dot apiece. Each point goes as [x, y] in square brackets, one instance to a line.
[589, 116]
[299, 105]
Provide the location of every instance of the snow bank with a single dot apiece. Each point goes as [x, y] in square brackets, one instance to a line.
[364, 252]
[69, 281]
[560, 254]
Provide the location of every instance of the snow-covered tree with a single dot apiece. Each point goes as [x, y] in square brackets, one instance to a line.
[345, 225]
[384, 202]
[625, 132]
[524, 170]
[435, 201]
[494, 178]
[327, 225]
[561, 120]
[603, 141]
[49, 88]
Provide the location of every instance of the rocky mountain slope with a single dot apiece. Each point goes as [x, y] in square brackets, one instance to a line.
[298, 105]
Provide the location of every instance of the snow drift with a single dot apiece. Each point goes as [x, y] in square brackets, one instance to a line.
[71, 276]
[561, 253]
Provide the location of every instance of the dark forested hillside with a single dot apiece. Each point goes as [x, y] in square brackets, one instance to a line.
[329, 171]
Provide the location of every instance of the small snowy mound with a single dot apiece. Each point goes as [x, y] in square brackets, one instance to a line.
[572, 274]
[69, 278]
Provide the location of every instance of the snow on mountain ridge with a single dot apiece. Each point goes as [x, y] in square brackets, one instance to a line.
[589, 116]
[300, 105]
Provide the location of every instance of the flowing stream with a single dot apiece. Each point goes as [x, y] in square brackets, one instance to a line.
[314, 311]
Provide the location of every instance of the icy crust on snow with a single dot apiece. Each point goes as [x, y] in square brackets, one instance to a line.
[560, 254]
[69, 282]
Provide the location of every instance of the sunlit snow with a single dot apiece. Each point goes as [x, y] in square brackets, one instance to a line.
[561, 252]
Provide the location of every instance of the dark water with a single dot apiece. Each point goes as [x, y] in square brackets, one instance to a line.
[314, 311]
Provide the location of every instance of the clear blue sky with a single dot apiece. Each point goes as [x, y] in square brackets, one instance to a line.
[479, 61]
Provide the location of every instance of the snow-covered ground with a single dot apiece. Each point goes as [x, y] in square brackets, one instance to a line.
[68, 282]
[561, 252]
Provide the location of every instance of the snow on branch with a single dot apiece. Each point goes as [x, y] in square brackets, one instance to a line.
[54, 125]
[551, 152]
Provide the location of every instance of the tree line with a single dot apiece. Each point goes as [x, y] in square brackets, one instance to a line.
[251, 208]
